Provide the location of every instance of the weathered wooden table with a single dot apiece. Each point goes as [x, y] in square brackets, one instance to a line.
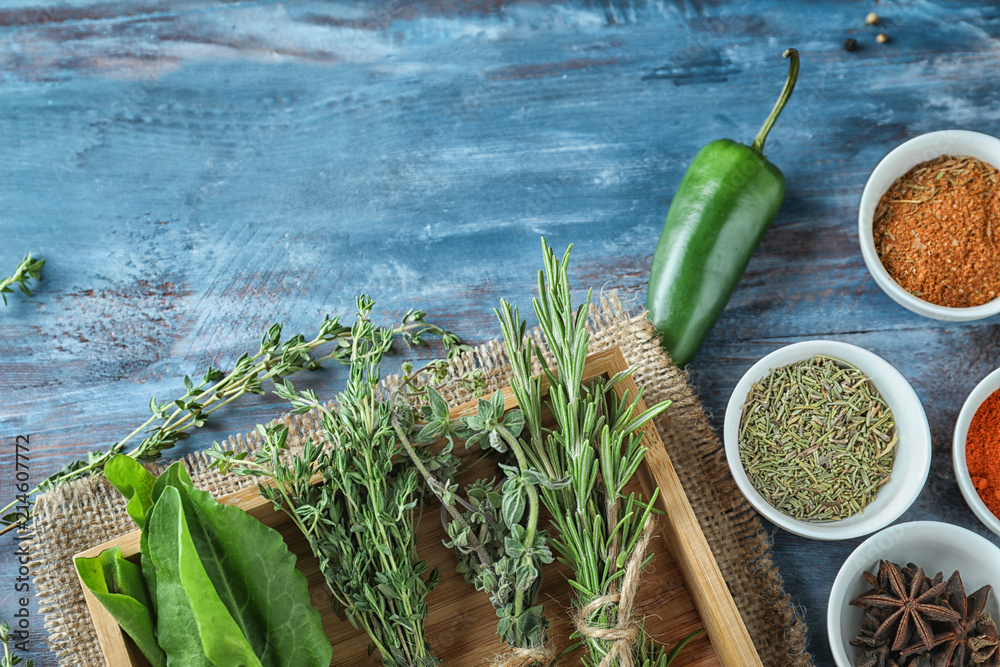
[195, 171]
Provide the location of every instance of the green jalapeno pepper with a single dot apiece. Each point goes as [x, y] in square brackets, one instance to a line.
[726, 201]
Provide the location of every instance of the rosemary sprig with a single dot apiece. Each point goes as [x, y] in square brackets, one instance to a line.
[360, 521]
[9, 659]
[171, 422]
[602, 535]
[29, 269]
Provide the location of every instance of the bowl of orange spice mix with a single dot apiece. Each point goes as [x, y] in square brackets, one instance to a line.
[976, 451]
[929, 224]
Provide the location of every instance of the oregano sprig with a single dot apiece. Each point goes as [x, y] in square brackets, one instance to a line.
[29, 269]
[494, 530]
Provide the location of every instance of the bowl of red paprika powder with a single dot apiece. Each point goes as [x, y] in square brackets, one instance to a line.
[976, 451]
[929, 225]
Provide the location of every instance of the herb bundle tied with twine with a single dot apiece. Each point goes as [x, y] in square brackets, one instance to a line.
[576, 469]
[591, 454]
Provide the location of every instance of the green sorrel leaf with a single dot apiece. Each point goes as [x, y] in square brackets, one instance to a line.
[135, 483]
[247, 563]
[219, 570]
[195, 628]
[175, 476]
[119, 586]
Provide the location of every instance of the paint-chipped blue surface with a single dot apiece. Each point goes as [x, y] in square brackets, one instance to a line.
[194, 171]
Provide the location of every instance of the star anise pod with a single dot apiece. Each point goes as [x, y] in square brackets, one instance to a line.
[951, 646]
[871, 652]
[870, 623]
[877, 656]
[910, 603]
[881, 582]
[922, 660]
[985, 646]
[910, 571]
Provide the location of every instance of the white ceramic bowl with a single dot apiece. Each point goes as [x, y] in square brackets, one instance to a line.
[913, 452]
[989, 385]
[935, 546]
[895, 164]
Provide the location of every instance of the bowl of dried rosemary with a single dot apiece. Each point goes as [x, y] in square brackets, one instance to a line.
[918, 593]
[929, 225]
[827, 440]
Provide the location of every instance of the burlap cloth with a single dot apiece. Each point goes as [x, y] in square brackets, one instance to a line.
[88, 512]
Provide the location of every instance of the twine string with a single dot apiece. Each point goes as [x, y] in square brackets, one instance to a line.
[626, 630]
[525, 657]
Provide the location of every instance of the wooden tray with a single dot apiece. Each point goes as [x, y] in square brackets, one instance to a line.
[682, 590]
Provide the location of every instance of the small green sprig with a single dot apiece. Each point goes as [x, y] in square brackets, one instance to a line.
[360, 521]
[651, 654]
[415, 328]
[29, 269]
[172, 421]
[414, 383]
[9, 659]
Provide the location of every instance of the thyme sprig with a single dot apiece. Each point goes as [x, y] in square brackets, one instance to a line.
[29, 269]
[360, 521]
[596, 446]
[9, 659]
[172, 421]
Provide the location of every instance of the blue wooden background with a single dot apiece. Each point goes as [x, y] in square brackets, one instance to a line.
[193, 171]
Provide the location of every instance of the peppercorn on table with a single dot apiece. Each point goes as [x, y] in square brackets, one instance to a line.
[194, 171]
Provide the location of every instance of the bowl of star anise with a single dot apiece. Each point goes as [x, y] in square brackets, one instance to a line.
[917, 594]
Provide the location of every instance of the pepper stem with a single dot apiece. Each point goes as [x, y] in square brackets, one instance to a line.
[793, 75]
